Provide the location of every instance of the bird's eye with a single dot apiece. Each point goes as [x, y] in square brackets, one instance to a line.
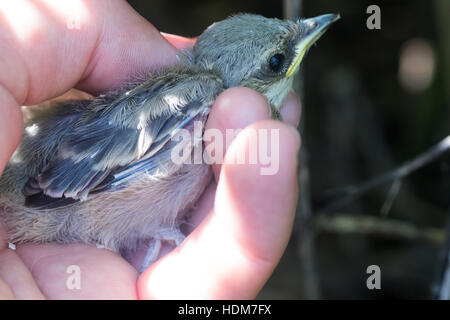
[276, 62]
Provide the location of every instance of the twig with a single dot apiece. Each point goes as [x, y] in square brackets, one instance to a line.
[374, 225]
[441, 287]
[423, 159]
[392, 194]
[444, 293]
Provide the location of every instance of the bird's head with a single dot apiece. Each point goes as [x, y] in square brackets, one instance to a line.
[257, 52]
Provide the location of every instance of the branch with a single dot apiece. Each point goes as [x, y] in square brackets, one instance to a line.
[443, 286]
[378, 226]
[353, 192]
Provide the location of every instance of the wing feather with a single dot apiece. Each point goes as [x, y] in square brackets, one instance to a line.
[121, 135]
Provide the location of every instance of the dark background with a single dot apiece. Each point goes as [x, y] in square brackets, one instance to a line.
[372, 100]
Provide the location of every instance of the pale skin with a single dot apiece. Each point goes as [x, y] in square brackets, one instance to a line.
[240, 226]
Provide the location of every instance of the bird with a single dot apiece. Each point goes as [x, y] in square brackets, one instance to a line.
[99, 171]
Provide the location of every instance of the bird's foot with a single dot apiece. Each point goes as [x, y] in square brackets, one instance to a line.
[173, 235]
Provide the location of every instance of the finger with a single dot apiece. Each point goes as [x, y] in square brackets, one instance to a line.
[79, 271]
[97, 44]
[291, 109]
[131, 45]
[17, 276]
[6, 292]
[14, 275]
[11, 124]
[233, 110]
[179, 42]
[235, 249]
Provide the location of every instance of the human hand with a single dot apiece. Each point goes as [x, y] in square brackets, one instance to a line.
[96, 45]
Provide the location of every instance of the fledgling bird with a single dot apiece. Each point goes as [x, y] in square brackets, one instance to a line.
[100, 171]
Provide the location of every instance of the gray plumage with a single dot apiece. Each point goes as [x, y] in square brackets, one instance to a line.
[100, 171]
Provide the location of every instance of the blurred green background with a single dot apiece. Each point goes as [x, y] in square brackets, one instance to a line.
[372, 100]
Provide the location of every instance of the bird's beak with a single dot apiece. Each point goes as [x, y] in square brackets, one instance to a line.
[315, 28]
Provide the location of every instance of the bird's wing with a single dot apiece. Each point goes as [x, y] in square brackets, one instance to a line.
[121, 136]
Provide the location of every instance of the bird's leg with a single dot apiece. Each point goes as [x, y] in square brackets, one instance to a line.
[154, 247]
[170, 234]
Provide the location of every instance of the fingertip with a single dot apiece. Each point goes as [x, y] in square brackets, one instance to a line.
[103, 273]
[179, 42]
[237, 108]
[233, 110]
[291, 109]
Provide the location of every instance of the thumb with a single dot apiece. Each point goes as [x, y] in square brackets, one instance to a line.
[11, 124]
